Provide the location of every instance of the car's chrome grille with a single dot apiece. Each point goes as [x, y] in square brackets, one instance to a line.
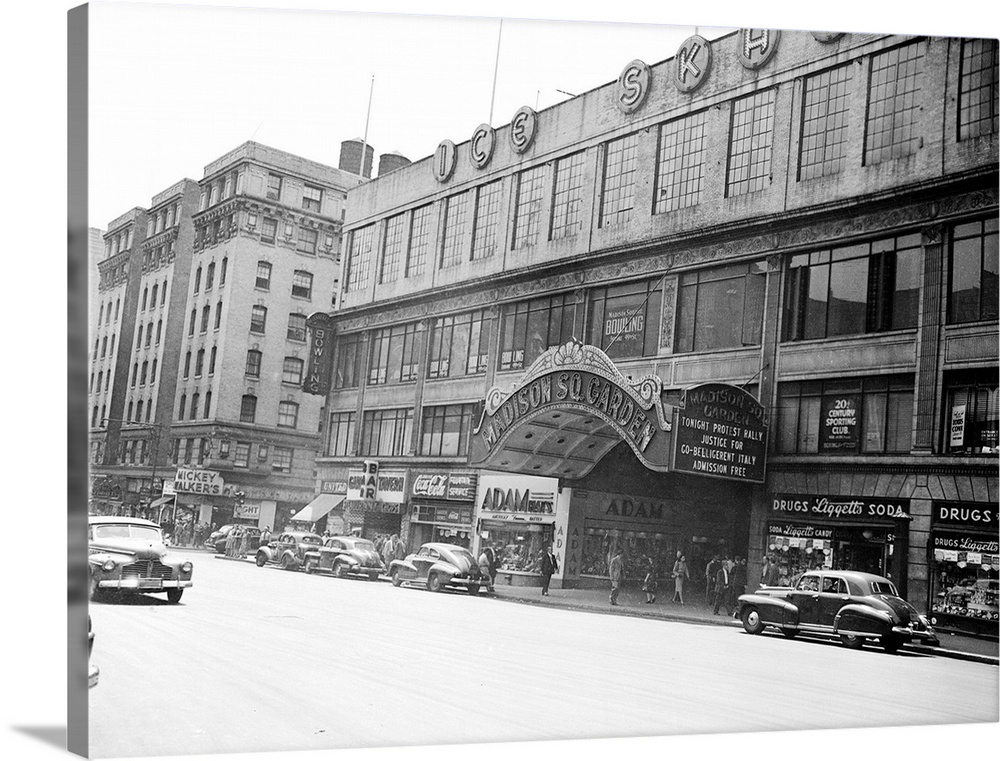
[147, 569]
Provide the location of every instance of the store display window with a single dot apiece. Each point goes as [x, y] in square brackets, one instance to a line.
[797, 554]
[517, 547]
[636, 547]
[963, 582]
[452, 535]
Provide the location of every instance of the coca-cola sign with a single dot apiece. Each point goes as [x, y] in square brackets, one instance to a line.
[454, 486]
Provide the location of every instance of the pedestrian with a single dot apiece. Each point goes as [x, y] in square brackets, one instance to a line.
[711, 570]
[722, 581]
[739, 580]
[771, 573]
[388, 551]
[549, 566]
[265, 536]
[616, 571]
[649, 583]
[680, 573]
[398, 548]
[241, 552]
[230, 538]
[485, 567]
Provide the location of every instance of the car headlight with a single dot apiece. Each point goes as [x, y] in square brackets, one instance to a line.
[186, 566]
[109, 565]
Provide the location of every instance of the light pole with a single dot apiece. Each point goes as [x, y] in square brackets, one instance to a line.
[153, 430]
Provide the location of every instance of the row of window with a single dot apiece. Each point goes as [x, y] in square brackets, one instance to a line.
[291, 368]
[302, 280]
[232, 184]
[296, 330]
[163, 220]
[149, 296]
[195, 451]
[857, 289]
[104, 315]
[210, 275]
[893, 109]
[288, 412]
[837, 416]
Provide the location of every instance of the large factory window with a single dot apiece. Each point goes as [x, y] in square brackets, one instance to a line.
[720, 308]
[531, 327]
[973, 271]
[894, 104]
[625, 319]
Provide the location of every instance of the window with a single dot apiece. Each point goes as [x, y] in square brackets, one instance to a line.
[359, 258]
[222, 272]
[291, 371]
[864, 288]
[199, 363]
[973, 293]
[288, 414]
[681, 164]
[149, 335]
[845, 416]
[159, 332]
[241, 455]
[386, 433]
[720, 308]
[258, 318]
[273, 187]
[312, 198]
[248, 409]
[618, 183]
[153, 294]
[977, 89]
[253, 363]
[416, 257]
[263, 276]
[445, 430]
[296, 327]
[970, 410]
[528, 198]
[218, 314]
[152, 372]
[528, 328]
[347, 369]
[302, 283]
[268, 230]
[484, 223]
[282, 460]
[894, 103]
[459, 345]
[206, 313]
[211, 361]
[341, 434]
[455, 213]
[825, 110]
[394, 357]
[195, 398]
[625, 319]
[308, 238]
[750, 136]
[187, 364]
[567, 197]
[197, 280]
[194, 322]
[144, 374]
[392, 250]
[208, 403]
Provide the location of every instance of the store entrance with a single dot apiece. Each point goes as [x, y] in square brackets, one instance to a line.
[862, 549]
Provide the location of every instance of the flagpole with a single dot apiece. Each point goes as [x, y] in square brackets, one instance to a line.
[364, 140]
[496, 66]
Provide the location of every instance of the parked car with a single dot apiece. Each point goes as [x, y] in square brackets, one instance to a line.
[852, 605]
[344, 556]
[217, 539]
[93, 673]
[439, 566]
[288, 550]
[129, 555]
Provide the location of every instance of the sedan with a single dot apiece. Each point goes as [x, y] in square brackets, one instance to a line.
[288, 550]
[129, 555]
[852, 605]
[344, 556]
[439, 566]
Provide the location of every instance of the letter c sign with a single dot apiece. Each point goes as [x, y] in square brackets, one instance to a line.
[481, 145]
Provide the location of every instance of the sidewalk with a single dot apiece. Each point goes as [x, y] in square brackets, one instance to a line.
[632, 602]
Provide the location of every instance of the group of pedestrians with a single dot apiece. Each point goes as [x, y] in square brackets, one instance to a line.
[390, 548]
[725, 581]
[238, 542]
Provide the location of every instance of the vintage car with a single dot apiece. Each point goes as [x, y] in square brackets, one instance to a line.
[853, 605]
[129, 555]
[439, 566]
[344, 556]
[288, 550]
[93, 673]
[217, 539]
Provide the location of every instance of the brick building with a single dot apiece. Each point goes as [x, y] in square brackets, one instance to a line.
[199, 347]
[773, 247]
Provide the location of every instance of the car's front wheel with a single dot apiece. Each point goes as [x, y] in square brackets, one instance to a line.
[397, 580]
[752, 621]
[891, 643]
[261, 560]
[852, 641]
[434, 583]
[286, 562]
[339, 571]
[174, 595]
[310, 565]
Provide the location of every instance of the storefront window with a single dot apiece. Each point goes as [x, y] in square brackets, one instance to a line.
[517, 547]
[971, 422]
[636, 546]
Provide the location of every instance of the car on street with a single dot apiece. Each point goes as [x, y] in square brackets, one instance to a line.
[129, 555]
[217, 539]
[344, 556]
[288, 550]
[852, 605]
[439, 566]
[93, 673]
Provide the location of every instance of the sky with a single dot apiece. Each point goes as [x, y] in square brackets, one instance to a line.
[171, 91]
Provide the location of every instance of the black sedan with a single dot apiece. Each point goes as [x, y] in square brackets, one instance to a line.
[439, 566]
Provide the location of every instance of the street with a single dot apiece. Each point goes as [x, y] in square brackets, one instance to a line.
[260, 659]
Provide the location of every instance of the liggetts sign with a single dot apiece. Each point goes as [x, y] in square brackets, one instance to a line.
[196, 481]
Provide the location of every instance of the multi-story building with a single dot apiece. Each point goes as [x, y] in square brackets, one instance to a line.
[199, 347]
[740, 302]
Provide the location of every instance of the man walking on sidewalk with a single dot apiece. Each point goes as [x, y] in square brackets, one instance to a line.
[616, 570]
[549, 566]
[722, 588]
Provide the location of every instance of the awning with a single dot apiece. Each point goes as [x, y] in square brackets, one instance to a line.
[162, 501]
[319, 507]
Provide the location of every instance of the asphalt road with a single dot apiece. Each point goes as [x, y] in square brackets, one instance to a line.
[259, 659]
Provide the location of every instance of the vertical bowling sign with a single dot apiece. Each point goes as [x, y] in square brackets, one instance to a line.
[317, 378]
[369, 479]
